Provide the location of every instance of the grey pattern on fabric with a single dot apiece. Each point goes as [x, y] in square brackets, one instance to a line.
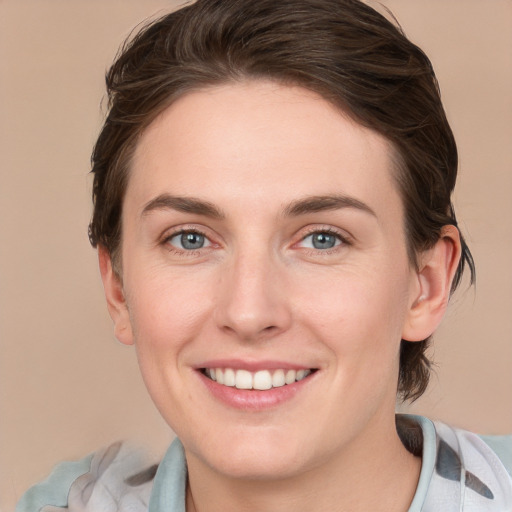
[460, 473]
[115, 482]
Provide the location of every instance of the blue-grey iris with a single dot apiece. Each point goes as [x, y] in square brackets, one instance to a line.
[323, 241]
[192, 241]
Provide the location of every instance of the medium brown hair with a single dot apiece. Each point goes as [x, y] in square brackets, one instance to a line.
[341, 49]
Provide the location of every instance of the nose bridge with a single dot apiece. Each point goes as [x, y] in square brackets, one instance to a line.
[251, 300]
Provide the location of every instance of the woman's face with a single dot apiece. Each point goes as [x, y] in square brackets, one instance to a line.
[263, 242]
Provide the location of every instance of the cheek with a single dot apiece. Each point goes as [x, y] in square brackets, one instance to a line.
[358, 316]
[362, 299]
[168, 309]
[167, 313]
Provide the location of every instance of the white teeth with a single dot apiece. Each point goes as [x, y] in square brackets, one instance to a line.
[290, 376]
[229, 377]
[301, 374]
[260, 380]
[243, 379]
[278, 379]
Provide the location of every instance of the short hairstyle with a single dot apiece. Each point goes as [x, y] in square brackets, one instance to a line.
[344, 51]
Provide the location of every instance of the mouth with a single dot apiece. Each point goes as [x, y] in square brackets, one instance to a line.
[260, 380]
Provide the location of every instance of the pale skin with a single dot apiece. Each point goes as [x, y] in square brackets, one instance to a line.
[299, 257]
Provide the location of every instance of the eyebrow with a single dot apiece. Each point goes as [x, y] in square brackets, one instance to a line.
[183, 204]
[314, 204]
[311, 204]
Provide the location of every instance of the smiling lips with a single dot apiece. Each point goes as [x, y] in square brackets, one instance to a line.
[260, 380]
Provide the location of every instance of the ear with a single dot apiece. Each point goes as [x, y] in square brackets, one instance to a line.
[430, 288]
[116, 302]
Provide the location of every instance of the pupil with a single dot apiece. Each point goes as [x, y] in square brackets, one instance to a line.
[323, 241]
[192, 240]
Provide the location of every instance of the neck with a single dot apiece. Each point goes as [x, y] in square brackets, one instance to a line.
[376, 474]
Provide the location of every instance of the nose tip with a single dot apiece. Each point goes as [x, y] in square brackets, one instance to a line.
[252, 303]
[249, 326]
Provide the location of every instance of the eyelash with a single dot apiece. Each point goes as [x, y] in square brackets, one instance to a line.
[185, 252]
[343, 239]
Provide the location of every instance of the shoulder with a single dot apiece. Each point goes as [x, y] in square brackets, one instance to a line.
[460, 470]
[54, 490]
[109, 479]
[502, 446]
[493, 450]
[478, 465]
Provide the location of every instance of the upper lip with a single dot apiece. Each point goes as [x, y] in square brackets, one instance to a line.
[252, 365]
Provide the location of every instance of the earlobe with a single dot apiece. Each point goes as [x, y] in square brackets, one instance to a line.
[430, 290]
[116, 302]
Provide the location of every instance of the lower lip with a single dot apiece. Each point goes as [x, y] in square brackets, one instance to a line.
[252, 399]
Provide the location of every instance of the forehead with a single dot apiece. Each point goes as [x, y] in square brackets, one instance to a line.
[269, 142]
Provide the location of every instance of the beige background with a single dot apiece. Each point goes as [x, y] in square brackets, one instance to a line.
[66, 386]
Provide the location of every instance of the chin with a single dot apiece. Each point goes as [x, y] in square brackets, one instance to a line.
[258, 457]
[258, 466]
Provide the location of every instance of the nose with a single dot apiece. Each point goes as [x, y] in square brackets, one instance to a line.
[252, 302]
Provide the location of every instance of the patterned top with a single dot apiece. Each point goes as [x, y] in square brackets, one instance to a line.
[460, 473]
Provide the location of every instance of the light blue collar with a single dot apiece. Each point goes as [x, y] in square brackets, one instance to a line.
[427, 463]
[170, 482]
[438, 486]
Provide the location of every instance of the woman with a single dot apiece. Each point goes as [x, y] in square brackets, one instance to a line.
[275, 234]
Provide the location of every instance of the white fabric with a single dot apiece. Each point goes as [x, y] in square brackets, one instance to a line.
[482, 483]
[460, 473]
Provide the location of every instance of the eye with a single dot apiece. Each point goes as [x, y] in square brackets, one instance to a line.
[321, 240]
[189, 241]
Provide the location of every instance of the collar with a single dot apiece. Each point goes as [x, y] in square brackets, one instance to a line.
[459, 471]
